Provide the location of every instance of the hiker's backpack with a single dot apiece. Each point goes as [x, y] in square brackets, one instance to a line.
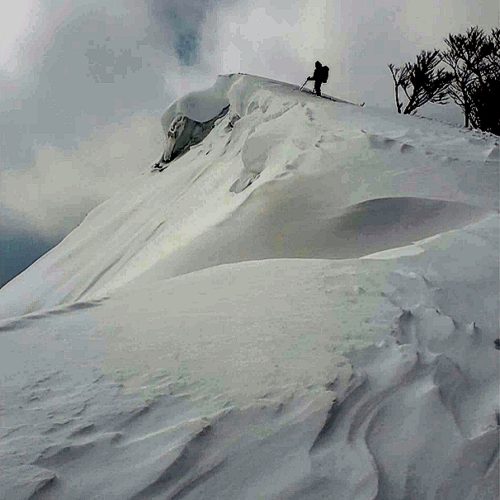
[325, 72]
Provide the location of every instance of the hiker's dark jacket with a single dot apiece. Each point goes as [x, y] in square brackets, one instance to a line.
[318, 75]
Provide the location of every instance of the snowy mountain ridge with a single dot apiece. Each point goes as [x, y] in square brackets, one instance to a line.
[270, 144]
[302, 304]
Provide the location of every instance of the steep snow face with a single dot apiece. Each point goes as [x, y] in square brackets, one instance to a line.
[305, 301]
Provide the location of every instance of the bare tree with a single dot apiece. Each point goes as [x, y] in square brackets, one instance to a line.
[421, 82]
[474, 59]
[398, 77]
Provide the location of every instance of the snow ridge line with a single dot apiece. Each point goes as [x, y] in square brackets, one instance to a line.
[10, 324]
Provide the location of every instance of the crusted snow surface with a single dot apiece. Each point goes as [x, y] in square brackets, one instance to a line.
[303, 305]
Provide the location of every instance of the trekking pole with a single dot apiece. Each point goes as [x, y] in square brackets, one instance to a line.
[304, 84]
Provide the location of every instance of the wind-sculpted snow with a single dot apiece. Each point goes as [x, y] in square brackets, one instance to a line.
[301, 227]
[190, 119]
[303, 305]
[409, 424]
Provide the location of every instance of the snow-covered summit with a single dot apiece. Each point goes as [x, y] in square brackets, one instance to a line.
[303, 301]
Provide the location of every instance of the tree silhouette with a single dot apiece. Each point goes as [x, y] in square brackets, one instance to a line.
[474, 59]
[421, 82]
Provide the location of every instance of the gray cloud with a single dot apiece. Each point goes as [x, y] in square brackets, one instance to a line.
[62, 185]
[185, 19]
[92, 75]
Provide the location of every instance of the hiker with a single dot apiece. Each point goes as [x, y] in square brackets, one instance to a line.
[320, 76]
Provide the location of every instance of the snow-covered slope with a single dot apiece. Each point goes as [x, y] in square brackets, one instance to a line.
[301, 305]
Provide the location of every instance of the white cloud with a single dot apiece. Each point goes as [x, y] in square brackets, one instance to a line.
[54, 194]
[17, 20]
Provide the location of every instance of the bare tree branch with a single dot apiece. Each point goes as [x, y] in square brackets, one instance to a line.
[421, 82]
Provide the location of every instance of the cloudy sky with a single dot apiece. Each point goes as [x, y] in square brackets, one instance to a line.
[83, 84]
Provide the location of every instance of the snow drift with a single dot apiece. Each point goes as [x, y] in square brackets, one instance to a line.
[301, 304]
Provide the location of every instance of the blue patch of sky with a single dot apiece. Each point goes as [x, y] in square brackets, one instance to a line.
[183, 19]
[186, 48]
[18, 250]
